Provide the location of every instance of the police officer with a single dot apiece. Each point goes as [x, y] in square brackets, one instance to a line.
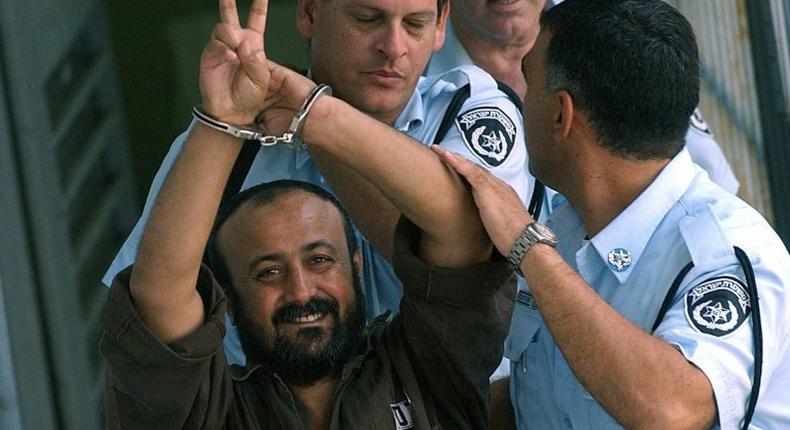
[706, 152]
[665, 303]
[372, 54]
[495, 36]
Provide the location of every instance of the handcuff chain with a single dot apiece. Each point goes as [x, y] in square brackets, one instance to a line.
[286, 138]
[251, 134]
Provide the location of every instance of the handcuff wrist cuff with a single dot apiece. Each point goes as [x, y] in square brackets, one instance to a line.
[252, 132]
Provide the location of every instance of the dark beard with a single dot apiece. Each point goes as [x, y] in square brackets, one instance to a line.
[298, 361]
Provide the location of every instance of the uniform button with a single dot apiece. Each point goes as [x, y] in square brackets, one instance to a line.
[567, 422]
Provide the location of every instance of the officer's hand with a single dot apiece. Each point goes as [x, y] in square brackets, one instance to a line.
[234, 71]
[287, 91]
[501, 210]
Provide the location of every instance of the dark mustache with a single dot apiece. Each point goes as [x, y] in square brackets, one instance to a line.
[293, 311]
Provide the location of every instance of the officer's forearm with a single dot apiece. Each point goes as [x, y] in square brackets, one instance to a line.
[642, 381]
[171, 249]
[408, 174]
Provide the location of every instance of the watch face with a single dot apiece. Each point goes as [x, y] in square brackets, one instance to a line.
[545, 233]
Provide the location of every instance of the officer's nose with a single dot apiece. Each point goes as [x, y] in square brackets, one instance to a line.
[392, 41]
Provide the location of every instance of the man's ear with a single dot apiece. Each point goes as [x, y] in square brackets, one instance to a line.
[441, 26]
[305, 13]
[562, 112]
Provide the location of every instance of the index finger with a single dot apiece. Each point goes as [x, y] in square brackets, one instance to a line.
[228, 13]
[257, 18]
[460, 164]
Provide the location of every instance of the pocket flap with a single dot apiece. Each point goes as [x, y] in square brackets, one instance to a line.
[523, 326]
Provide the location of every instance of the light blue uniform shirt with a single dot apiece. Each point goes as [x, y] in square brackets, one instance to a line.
[681, 217]
[420, 120]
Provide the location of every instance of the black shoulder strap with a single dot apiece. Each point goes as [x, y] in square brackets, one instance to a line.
[240, 169]
[757, 328]
[453, 108]
[536, 202]
[673, 290]
[757, 334]
[511, 94]
[460, 96]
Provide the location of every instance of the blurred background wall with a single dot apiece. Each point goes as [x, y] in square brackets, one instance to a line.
[745, 94]
[92, 93]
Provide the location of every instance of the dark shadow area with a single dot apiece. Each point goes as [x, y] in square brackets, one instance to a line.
[157, 47]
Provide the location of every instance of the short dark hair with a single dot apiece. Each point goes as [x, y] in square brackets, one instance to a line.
[439, 5]
[632, 66]
[261, 195]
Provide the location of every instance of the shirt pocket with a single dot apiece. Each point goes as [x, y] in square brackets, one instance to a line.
[524, 326]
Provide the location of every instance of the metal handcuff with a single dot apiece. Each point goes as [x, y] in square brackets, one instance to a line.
[260, 135]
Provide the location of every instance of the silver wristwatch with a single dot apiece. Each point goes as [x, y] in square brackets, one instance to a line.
[532, 234]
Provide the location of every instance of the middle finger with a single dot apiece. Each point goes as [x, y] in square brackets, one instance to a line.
[257, 18]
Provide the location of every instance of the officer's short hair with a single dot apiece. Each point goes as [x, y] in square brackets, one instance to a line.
[439, 5]
[632, 66]
[262, 195]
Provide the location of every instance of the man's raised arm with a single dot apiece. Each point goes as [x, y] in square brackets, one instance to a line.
[233, 79]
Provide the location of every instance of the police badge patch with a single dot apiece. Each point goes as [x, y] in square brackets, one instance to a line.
[718, 306]
[488, 133]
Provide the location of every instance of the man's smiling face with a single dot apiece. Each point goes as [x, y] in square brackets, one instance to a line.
[296, 286]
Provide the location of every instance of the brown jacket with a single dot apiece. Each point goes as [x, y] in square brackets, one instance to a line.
[428, 367]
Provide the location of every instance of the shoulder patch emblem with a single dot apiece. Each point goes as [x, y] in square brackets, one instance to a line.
[488, 133]
[698, 122]
[718, 306]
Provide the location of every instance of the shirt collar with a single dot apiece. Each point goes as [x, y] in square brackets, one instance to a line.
[629, 233]
[413, 114]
